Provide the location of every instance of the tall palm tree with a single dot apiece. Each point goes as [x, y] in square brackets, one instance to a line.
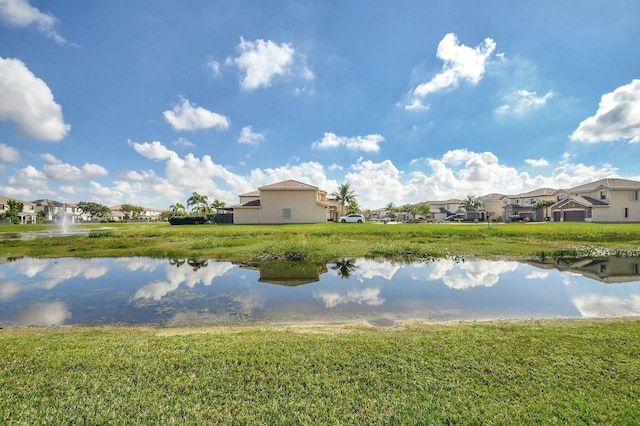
[199, 203]
[471, 203]
[217, 204]
[344, 195]
[176, 209]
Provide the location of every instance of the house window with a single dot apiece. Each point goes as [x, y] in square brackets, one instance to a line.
[626, 212]
[286, 213]
[634, 269]
[633, 195]
[603, 195]
[560, 197]
[603, 269]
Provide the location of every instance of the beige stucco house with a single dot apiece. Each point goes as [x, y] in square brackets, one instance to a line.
[28, 213]
[605, 200]
[283, 202]
[440, 210]
[522, 205]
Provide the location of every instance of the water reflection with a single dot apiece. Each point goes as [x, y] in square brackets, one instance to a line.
[47, 314]
[606, 269]
[201, 291]
[291, 273]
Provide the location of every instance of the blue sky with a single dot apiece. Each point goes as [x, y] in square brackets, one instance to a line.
[408, 101]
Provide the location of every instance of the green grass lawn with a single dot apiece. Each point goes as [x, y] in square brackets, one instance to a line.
[325, 242]
[537, 372]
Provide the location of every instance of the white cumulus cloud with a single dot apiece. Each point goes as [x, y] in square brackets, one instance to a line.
[28, 102]
[523, 101]
[248, 136]
[9, 154]
[541, 162]
[153, 150]
[617, 117]
[368, 143]
[50, 158]
[461, 63]
[261, 61]
[19, 13]
[186, 116]
[73, 173]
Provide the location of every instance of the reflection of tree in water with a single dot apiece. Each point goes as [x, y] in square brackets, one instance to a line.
[194, 263]
[345, 267]
[197, 263]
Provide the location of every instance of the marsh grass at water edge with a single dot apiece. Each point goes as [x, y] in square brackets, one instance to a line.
[325, 242]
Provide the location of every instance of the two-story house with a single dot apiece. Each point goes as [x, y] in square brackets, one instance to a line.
[605, 200]
[288, 201]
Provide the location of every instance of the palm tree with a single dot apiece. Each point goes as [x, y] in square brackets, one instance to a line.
[217, 204]
[177, 209]
[199, 203]
[391, 210]
[471, 203]
[422, 209]
[543, 204]
[344, 195]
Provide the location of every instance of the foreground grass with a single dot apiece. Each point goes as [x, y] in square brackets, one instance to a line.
[325, 242]
[547, 372]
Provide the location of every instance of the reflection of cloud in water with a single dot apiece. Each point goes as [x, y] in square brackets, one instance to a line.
[250, 302]
[9, 289]
[369, 268]
[68, 269]
[366, 296]
[598, 306]
[55, 313]
[538, 275]
[477, 273]
[139, 264]
[30, 267]
[570, 278]
[176, 276]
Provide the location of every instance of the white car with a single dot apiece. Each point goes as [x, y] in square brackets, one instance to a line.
[353, 218]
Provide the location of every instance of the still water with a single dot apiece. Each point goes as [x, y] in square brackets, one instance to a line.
[128, 291]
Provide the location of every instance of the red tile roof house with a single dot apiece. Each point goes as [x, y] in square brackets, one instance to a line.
[283, 202]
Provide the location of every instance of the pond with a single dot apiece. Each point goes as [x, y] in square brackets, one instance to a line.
[173, 292]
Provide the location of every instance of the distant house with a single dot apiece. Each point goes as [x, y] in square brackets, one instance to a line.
[522, 205]
[116, 214]
[605, 200]
[492, 205]
[440, 210]
[288, 201]
[55, 211]
[28, 213]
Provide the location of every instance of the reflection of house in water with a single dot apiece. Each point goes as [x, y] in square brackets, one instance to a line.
[291, 273]
[611, 269]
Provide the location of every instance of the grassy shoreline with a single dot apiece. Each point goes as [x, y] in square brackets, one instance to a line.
[525, 372]
[325, 242]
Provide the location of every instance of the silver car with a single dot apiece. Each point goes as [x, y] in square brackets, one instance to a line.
[353, 218]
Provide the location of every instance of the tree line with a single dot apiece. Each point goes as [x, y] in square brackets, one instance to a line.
[197, 205]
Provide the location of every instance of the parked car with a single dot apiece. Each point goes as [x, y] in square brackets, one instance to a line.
[353, 218]
[455, 218]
